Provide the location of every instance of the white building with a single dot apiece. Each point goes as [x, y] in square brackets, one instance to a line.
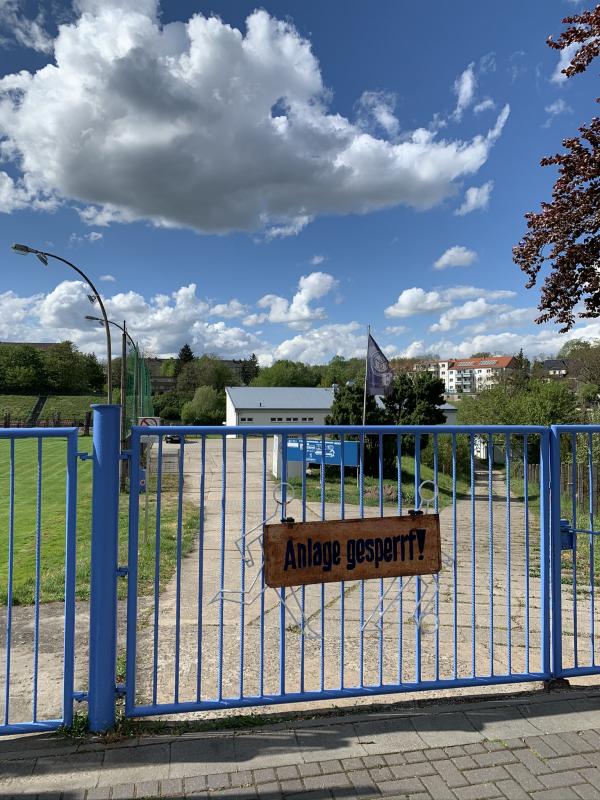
[276, 405]
[467, 375]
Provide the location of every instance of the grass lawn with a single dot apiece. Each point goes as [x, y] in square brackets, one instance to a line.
[53, 525]
[390, 487]
[18, 406]
[69, 406]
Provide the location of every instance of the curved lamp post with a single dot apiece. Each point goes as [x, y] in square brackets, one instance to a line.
[123, 329]
[23, 250]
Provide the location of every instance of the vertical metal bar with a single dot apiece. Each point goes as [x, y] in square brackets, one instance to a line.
[178, 573]
[157, 545]
[222, 565]
[243, 564]
[574, 491]
[418, 579]
[261, 666]
[38, 560]
[526, 513]
[200, 569]
[282, 590]
[591, 546]
[490, 449]
[473, 587]
[322, 587]
[361, 511]
[9, 591]
[342, 586]
[399, 490]
[103, 579]
[302, 588]
[132, 571]
[555, 554]
[508, 558]
[454, 565]
[380, 625]
[545, 486]
[70, 572]
[436, 578]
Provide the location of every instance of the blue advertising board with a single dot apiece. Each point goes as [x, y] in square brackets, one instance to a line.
[314, 451]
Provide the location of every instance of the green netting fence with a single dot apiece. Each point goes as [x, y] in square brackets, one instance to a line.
[138, 389]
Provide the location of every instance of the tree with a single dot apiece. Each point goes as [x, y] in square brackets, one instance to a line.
[288, 373]
[341, 371]
[565, 233]
[206, 408]
[203, 371]
[584, 360]
[23, 369]
[250, 369]
[539, 403]
[482, 354]
[414, 399]
[347, 408]
[168, 405]
[185, 356]
[519, 375]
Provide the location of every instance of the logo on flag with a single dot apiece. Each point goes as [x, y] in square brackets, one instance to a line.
[379, 372]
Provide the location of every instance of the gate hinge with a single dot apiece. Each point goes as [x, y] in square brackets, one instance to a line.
[567, 535]
[122, 572]
[124, 455]
[120, 690]
[85, 456]
[80, 697]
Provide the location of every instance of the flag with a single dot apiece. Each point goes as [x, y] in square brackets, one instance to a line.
[379, 372]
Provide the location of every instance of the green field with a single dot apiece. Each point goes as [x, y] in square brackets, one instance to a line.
[19, 406]
[52, 524]
[69, 407]
[390, 487]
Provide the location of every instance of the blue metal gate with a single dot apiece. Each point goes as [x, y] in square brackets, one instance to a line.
[36, 692]
[204, 632]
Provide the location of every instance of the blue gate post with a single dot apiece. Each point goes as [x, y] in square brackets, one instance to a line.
[546, 551]
[104, 562]
[555, 551]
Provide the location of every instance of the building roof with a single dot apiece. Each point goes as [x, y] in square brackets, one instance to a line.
[476, 363]
[555, 363]
[280, 397]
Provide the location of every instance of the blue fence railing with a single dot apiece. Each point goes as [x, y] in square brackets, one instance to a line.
[515, 599]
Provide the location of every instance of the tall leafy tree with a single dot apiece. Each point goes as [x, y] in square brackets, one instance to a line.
[288, 373]
[414, 399]
[565, 233]
[250, 369]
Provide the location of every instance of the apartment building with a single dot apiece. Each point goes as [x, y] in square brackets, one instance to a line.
[468, 375]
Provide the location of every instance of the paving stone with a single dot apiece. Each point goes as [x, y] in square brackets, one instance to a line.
[592, 738]
[559, 744]
[414, 756]
[555, 794]
[264, 775]
[495, 758]
[372, 762]
[472, 749]
[291, 786]
[482, 791]
[540, 747]
[100, 793]
[556, 780]
[335, 781]
[514, 744]
[317, 794]
[415, 770]
[248, 793]
[287, 773]
[486, 774]
[241, 778]
[591, 775]
[465, 762]
[217, 781]
[381, 774]
[576, 741]
[586, 792]
[441, 730]
[353, 763]
[402, 787]
[454, 750]
[524, 777]
[511, 790]
[567, 762]
[394, 759]
[173, 787]
[532, 762]
[451, 776]
[123, 792]
[270, 789]
[308, 770]
[147, 789]
[437, 788]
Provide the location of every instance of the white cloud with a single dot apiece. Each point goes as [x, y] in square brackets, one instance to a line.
[376, 109]
[487, 63]
[457, 256]
[199, 125]
[229, 310]
[298, 313]
[485, 105]
[108, 278]
[395, 329]
[476, 197]
[564, 59]
[555, 109]
[93, 236]
[27, 32]
[464, 89]
[419, 301]
[319, 345]
[316, 260]
[414, 349]
[469, 310]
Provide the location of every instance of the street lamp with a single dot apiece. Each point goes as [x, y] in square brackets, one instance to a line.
[126, 333]
[23, 250]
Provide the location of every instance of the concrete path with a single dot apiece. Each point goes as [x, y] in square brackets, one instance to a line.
[539, 746]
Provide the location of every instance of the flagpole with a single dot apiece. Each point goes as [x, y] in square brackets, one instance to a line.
[364, 417]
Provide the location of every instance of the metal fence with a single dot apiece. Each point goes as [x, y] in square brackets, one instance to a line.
[515, 599]
[33, 462]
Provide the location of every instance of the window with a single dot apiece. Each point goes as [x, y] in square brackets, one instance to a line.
[311, 419]
[295, 419]
[273, 419]
[288, 419]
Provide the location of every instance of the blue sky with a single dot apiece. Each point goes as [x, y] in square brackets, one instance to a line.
[275, 180]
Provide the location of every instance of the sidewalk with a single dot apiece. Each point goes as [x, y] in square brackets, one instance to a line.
[534, 745]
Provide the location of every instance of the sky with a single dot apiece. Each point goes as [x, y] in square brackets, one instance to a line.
[273, 179]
